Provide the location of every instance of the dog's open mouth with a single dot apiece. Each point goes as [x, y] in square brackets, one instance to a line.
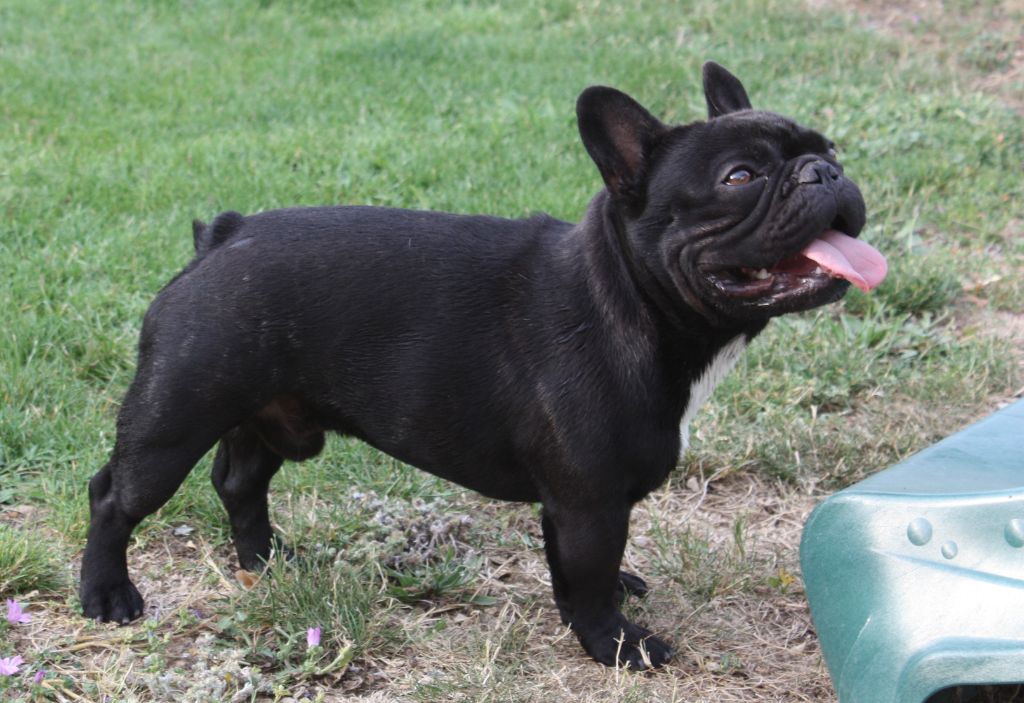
[831, 256]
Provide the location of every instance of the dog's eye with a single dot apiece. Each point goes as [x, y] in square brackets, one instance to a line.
[739, 177]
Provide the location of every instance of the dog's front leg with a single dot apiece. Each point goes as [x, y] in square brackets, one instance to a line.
[584, 547]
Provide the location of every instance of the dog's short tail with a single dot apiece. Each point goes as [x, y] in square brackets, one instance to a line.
[210, 236]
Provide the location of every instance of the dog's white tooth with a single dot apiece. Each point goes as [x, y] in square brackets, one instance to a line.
[817, 270]
[761, 274]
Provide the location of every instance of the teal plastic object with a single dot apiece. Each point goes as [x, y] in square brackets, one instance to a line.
[915, 575]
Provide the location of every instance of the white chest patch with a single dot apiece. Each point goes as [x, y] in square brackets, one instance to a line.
[700, 390]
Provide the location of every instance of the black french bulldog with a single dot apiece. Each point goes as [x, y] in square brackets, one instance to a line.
[530, 360]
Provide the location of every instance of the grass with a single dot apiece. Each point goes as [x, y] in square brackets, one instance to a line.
[126, 120]
[26, 565]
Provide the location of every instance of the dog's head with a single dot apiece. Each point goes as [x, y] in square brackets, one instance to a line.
[741, 217]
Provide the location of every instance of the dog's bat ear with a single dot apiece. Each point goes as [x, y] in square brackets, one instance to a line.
[619, 134]
[723, 91]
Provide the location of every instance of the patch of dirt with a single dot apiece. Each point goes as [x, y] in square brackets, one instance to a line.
[748, 641]
[752, 641]
[979, 314]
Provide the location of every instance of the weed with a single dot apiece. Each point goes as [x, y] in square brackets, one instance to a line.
[705, 570]
[433, 579]
[344, 601]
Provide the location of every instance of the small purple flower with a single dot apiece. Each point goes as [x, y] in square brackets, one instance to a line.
[38, 678]
[313, 637]
[9, 666]
[15, 614]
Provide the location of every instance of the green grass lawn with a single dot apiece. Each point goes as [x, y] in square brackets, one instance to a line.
[123, 121]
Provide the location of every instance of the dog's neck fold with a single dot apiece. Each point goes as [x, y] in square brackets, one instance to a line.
[682, 318]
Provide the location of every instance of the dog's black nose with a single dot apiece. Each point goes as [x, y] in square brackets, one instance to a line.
[817, 172]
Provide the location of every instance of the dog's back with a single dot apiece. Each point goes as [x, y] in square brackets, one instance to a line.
[403, 328]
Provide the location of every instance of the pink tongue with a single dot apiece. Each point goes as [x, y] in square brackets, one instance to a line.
[845, 257]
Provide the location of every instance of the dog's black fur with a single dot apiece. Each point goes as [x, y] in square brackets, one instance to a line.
[530, 360]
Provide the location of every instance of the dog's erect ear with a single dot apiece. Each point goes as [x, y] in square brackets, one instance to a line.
[723, 91]
[619, 135]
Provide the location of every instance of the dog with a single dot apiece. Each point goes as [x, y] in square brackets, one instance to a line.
[529, 360]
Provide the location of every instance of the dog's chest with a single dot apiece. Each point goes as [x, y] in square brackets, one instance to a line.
[700, 390]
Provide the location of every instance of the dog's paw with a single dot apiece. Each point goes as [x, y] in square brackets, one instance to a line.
[627, 645]
[120, 603]
[630, 585]
[258, 560]
[282, 549]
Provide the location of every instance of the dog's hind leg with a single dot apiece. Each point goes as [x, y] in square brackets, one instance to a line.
[139, 478]
[106, 592]
[247, 459]
[163, 429]
[241, 474]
